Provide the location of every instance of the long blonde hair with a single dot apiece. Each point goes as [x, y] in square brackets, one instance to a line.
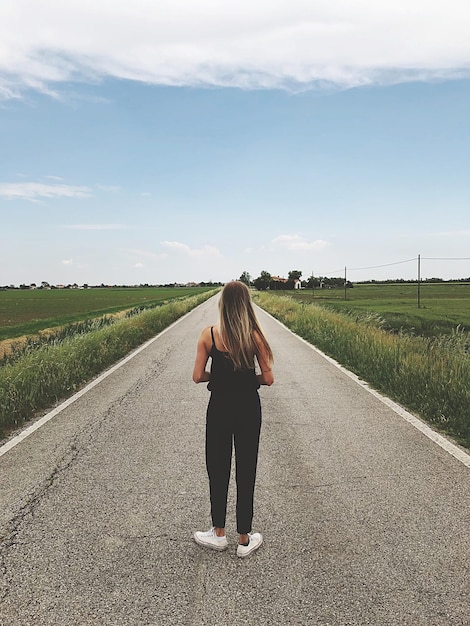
[238, 323]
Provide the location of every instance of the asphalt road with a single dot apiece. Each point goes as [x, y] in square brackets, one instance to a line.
[365, 520]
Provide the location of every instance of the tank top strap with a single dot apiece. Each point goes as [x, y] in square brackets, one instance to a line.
[212, 335]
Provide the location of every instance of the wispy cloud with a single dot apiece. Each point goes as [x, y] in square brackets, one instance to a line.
[298, 243]
[205, 251]
[291, 45]
[95, 226]
[111, 188]
[38, 191]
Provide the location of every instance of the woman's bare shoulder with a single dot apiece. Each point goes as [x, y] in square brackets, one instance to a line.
[205, 332]
[206, 335]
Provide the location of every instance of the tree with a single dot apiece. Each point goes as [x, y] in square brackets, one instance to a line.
[245, 278]
[313, 282]
[292, 277]
[263, 281]
[294, 274]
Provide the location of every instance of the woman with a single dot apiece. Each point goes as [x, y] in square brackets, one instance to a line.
[234, 411]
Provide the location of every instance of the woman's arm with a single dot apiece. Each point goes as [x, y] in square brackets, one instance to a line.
[266, 377]
[200, 375]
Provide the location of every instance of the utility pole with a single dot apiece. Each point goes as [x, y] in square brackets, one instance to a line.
[345, 281]
[419, 281]
[313, 286]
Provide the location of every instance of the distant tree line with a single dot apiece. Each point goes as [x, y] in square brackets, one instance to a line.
[47, 285]
[414, 280]
[293, 281]
[264, 281]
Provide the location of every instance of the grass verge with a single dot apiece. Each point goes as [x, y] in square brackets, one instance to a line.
[428, 376]
[41, 377]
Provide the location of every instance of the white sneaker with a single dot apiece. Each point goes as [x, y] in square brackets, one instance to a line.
[255, 540]
[209, 539]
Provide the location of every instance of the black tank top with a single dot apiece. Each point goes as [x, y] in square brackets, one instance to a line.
[225, 377]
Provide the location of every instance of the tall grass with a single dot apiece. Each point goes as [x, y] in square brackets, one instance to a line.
[54, 336]
[429, 376]
[42, 376]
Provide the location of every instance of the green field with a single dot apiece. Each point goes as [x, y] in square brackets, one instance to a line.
[25, 312]
[44, 371]
[443, 306]
[428, 375]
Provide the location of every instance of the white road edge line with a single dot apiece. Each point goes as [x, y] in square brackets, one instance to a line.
[43, 420]
[441, 441]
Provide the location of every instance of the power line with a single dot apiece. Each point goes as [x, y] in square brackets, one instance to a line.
[373, 267]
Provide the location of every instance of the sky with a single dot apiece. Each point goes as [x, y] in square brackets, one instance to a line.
[188, 141]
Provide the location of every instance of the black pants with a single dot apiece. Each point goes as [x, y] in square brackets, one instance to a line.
[232, 421]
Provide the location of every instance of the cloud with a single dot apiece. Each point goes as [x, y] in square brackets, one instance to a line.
[111, 188]
[295, 242]
[37, 191]
[205, 251]
[95, 226]
[291, 45]
[67, 261]
[139, 265]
